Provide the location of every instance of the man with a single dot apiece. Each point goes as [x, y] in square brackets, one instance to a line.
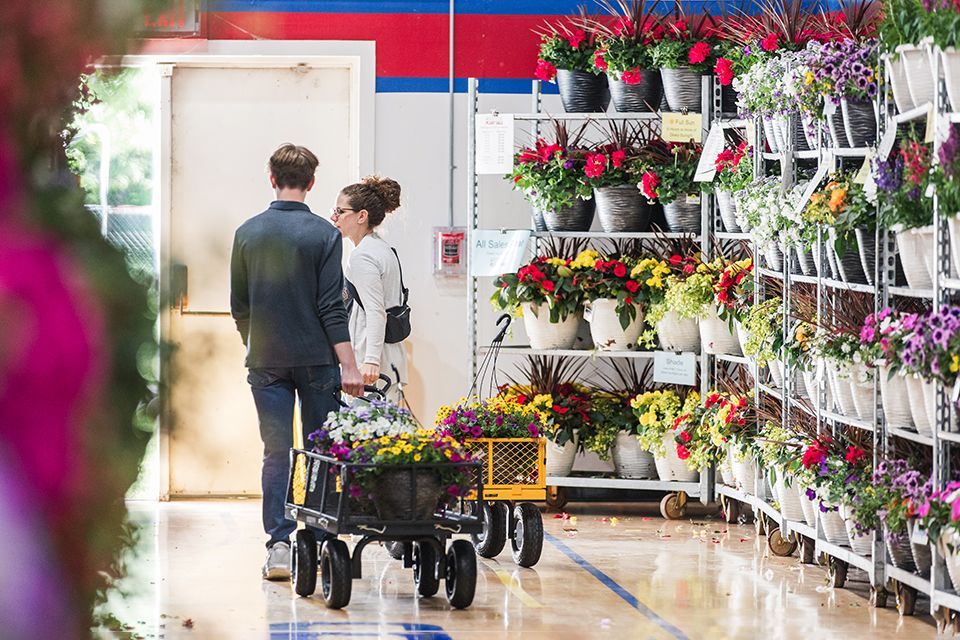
[286, 297]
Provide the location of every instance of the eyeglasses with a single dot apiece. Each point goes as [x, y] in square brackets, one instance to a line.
[337, 212]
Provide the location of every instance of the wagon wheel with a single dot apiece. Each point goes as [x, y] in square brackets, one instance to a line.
[673, 506]
[336, 579]
[878, 597]
[425, 569]
[837, 573]
[461, 577]
[394, 549]
[779, 544]
[556, 498]
[490, 542]
[906, 599]
[527, 538]
[304, 573]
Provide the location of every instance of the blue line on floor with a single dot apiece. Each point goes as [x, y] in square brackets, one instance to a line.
[612, 584]
[320, 629]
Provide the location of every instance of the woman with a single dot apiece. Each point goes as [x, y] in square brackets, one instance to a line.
[374, 272]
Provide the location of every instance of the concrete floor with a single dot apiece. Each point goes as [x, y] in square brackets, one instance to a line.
[609, 572]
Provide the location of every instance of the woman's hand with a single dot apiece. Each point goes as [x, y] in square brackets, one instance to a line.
[370, 373]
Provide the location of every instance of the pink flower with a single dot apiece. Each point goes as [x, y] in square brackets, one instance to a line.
[595, 165]
[682, 452]
[955, 511]
[724, 70]
[617, 157]
[650, 181]
[769, 42]
[631, 76]
[924, 509]
[545, 71]
[575, 37]
[698, 53]
[599, 61]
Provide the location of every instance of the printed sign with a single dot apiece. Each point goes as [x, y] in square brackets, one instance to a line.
[494, 144]
[680, 127]
[675, 368]
[886, 142]
[706, 167]
[919, 536]
[496, 252]
[864, 173]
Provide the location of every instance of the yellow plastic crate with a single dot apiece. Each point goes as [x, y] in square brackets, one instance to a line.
[514, 468]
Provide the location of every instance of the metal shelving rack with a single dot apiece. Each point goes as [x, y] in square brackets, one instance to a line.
[704, 489]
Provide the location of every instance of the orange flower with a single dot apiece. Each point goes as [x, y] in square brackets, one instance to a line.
[837, 197]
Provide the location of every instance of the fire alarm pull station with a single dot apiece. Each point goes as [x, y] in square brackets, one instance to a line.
[449, 251]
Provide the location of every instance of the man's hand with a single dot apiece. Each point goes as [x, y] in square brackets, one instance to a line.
[370, 373]
[351, 381]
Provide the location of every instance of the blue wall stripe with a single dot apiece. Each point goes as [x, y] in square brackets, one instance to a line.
[611, 584]
[440, 85]
[479, 7]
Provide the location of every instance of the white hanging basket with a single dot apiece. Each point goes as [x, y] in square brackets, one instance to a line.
[930, 400]
[811, 379]
[953, 224]
[678, 468]
[842, 393]
[918, 406]
[895, 398]
[863, 401]
[544, 334]
[715, 335]
[834, 529]
[662, 464]
[605, 328]
[776, 372]
[790, 505]
[678, 334]
[919, 71]
[744, 474]
[950, 58]
[809, 506]
[949, 548]
[927, 249]
[912, 257]
[898, 82]
[726, 471]
[629, 460]
[560, 459]
[861, 543]
[742, 335]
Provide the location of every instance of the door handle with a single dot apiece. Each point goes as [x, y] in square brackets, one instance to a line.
[179, 293]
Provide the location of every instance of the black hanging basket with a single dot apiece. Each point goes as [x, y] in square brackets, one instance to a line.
[582, 91]
[838, 131]
[728, 100]
[683, 216]
[620, 209]
[867, 246]
[539, 224]
[799, 135]
[577, 217]
[859, 122]
[805, 262]
[644, 96]
[681, 88]
[850, 267]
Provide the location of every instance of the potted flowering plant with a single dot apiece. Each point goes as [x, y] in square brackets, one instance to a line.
[901, 183]
[625, 54]
[939, 516]
[674, 317]
[684, 54]
[613, 170]
[549, 175]
[946, 176]
[930, 354]
[842, 206]
[547, 293]
[761, 95]
[668, 172]
[763, 328]
[725, 418]
[734, 173]
[497, 417]
[900, 490]
[691, 445]
[761, 209]
[610, 416]
[881, 339]
[363, 420]
[566, 55]
[654, 413]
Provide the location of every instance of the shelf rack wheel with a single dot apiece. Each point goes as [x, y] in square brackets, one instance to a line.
[779, 544]
[674, 505]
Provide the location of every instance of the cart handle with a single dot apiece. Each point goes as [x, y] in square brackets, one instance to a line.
[505, 320]
[380, 391]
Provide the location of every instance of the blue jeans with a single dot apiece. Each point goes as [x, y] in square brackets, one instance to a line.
[274, 393]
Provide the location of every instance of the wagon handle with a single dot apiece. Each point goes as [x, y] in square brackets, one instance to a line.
[505, 320]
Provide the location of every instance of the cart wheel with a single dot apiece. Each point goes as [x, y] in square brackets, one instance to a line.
[304, 574]
[731, 509]
[336, 579]
[779, 545]
[425, 569]
[808, 550]
[490, 543]
[837, 573]
[527, 538]
[556, 498]
[906, 599]
[394, 549]
[673, 506]
[461, 578]
[878, 597]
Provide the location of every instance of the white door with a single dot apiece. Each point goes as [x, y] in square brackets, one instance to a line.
[222, 124]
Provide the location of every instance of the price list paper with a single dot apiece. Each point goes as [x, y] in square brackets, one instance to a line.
[494, 144]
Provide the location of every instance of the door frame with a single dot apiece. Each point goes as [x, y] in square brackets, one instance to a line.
[357, 56]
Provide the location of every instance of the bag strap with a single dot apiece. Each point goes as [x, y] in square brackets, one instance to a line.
[406, 292]
[354, 294]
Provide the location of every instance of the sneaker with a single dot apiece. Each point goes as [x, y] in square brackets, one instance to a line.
[277, 566]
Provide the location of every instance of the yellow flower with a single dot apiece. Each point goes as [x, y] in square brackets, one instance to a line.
[417, 458]
[656, 282]
[954, 363]
[557, 262]
[808, 79]
[648, 419]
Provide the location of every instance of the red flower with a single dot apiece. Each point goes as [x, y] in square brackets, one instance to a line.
[575, 37]
[599, 61]
[769, 42]
[596, 163]
[623, 26]
[649, 182]
[631, 76]
[545, 71]
[628, 300]
[698, 53]
[632, 286]
[685, 436]
[547, 152]
[620, 270]
[689, 268]
[682, 452]
[547, 285]
[522, 399]
[680, 26]
[724, 70]
[617, 157]
[676, 259]
[814, 455]
[561, 410]
[855, 454]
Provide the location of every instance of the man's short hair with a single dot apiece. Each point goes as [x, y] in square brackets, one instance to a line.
[293, 166]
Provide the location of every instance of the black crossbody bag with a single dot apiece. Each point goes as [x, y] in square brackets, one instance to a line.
[398, 317]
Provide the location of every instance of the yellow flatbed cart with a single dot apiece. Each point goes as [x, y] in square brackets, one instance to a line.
[514, 473]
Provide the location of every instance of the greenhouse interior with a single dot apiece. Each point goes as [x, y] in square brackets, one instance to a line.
[480, 319]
